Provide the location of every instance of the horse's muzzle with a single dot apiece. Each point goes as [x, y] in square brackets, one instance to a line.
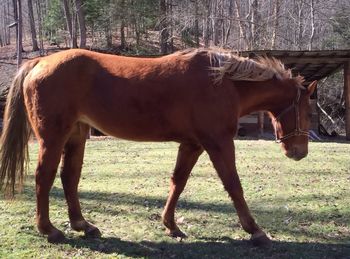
[296, 153]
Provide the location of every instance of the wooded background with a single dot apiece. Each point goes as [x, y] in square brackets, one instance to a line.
[151, 26]
[154, 27]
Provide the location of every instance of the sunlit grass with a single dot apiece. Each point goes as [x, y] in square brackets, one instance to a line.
[304, 206]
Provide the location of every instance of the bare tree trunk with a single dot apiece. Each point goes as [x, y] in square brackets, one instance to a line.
[214, 20]
[122, 27]
[347, 98]
[68, 16]
[242, 28]
[222, 24]
[276, 14]
[19, 35]
[171, 24]
[7, 19]
[312, 16]
[3, 25]
[122, 34]
[70, 26]
[107, 26]
[206, 25]
[196, 24]
[137, 30]
[254, 25]
[164, 34]
[300, 6]
[15, 16]
[229, 25]
[32, 25]
[40, 22]
[74, 29]
[79, 8]
[108, 33]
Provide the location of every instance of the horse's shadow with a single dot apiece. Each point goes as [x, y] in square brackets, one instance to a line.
[204, 247]
[210, 248]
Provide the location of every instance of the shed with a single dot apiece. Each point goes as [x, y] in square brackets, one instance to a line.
[312, 65]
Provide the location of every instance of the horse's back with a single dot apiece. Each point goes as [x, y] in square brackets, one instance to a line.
[132, 98]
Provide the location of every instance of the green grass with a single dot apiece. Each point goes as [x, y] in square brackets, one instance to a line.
[303, 206]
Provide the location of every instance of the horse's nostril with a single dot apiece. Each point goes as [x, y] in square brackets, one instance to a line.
[296, 153]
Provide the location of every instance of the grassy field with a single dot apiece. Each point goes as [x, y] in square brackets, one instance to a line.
[303, 206]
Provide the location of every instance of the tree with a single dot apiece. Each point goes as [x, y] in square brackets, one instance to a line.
[40, 25]
[341, 26]
[70, 22]
[206, 25]
[32, 25]
[4, 22]
[276, 13]
[15, 18]
[122, 27]
[312, 24]
[235, 24]
[19, 33]
[164, 33]
[79, 10]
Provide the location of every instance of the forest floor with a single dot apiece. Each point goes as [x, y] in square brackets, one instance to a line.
[303, 206]
[8, 61]
[8, 65]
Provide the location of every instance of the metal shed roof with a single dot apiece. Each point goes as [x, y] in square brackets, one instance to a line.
[312, 65]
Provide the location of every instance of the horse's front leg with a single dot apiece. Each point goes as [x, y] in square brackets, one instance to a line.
[187, 157]
[72, 161]
[222, 155]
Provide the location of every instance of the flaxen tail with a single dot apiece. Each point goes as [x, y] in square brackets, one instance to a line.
[15, 135]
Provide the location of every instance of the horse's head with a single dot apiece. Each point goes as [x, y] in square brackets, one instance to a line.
[292, 123]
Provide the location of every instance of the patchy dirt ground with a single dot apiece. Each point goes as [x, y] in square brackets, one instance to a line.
[8, 66]
[8, 61]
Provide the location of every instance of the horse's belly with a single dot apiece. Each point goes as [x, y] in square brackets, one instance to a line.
[140, 128]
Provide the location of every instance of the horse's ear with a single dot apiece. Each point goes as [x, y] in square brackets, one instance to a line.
[311, 88]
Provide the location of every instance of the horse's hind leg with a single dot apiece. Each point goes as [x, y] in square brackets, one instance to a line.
[222, 155]
[50, 150]
[72, 161]
[187, 157]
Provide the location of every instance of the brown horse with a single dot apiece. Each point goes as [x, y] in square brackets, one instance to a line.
[193, 97]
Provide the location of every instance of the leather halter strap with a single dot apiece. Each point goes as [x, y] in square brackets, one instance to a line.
[297, 131]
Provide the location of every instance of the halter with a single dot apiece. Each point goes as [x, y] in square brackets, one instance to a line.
[297, 131]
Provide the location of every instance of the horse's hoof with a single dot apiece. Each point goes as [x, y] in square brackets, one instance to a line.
[56, 237]
[93, 233]
[261, 240]
[177, 233]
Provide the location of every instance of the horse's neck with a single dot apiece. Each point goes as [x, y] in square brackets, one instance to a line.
[262, 96]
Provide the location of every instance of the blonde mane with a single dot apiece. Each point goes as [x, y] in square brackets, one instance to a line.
[231, 65]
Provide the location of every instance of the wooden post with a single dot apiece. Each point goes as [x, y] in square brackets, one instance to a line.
[261, 123]
[347, 98]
